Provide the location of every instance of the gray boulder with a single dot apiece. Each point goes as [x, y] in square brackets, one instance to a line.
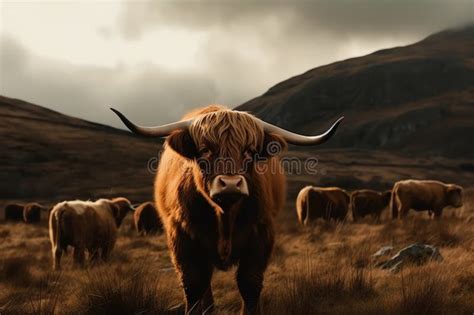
[417, 254]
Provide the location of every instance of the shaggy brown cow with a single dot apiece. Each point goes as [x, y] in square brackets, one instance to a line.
[32, 212]
[366, 201]
[14, 212]
[424, 195]
[147, 220]
[86, 225]
[326, 203]
[218, 189]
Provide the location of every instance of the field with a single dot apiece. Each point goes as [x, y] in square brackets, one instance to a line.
[325, 268]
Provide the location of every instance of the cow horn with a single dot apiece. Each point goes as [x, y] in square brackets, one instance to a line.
[158, 131]
[298, 139]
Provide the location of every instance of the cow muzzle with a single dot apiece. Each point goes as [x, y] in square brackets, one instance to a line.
[226, 185]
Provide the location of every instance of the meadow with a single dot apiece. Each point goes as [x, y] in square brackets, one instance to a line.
[326, 268]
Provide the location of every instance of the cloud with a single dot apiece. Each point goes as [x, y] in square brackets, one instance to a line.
[149, 94]
[172, 56]
[362, 18]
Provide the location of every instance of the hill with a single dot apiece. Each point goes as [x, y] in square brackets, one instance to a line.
[417, 99]
[50, 156]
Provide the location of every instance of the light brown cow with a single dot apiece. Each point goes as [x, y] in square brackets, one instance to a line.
[218, 189]
[424, 195]
[86, 225]
[325, 203]
[147, 220]
[369, 202]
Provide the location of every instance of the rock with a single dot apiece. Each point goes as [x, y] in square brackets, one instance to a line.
[416, 254]
[385, 250]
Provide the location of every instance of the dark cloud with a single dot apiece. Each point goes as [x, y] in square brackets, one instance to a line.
[149, 94]
[248, 47]
[346, 18]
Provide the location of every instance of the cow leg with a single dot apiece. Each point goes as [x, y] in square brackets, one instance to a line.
[437, 213]
[106, 253]
[94, 256]
[355, 217]
[57, 253]
[403, 212]
[395, 205]
[194, 272]
[196, 282]
[377, 216]
[79, 256]
[250, 272]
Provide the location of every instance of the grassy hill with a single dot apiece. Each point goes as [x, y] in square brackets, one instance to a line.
[417, 99]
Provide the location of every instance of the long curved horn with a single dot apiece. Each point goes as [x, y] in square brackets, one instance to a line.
[158, 131]
[298, 139]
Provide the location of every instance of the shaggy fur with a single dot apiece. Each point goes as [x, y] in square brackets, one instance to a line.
[424, 195]
[86, 225]
[204, 234]
[32, 213]
[146, 219]
[326, 203]
[369, 202]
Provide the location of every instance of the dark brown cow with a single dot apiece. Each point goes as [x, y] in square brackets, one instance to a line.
[369, 202]
[218, 189]
[14, 212]
[147, 220]
[86, 225]
[32, 212]
[329, 203]
[424, 195]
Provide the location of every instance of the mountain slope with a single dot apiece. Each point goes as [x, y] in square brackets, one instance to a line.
[51, 156]
[418, 98]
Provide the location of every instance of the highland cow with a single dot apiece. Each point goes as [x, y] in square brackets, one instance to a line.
[86, 225]
[315, 203]
[369, 202]
[424, 195]
[32, 213]
[146, 219]
[14, 212]
[218, 189]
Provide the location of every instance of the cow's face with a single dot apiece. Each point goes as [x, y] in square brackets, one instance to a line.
[455, 196]
[120, 207]
[223, 147]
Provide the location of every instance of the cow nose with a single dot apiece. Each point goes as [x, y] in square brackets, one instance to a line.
[229, 184]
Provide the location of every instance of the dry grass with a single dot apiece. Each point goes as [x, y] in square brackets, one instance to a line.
[325, 268]
[122, 291]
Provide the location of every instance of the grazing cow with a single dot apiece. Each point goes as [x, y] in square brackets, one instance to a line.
[86, 225]
[32, 212]
[146, 219]
[424, 195]
[326, 203]
[366, 201]
[218, 189]
[14, 212]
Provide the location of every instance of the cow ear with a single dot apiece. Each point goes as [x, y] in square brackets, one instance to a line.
[182, 143]
[115, 209]
[273, 145]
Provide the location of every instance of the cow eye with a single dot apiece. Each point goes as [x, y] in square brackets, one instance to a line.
[248, 154]
[204, 151]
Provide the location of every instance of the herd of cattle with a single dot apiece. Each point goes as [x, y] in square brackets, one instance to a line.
[87, 225]
[217, 215]
[145, 217]
[92, 226]
[334, 203]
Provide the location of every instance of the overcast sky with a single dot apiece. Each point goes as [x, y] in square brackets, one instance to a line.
[157, 59]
